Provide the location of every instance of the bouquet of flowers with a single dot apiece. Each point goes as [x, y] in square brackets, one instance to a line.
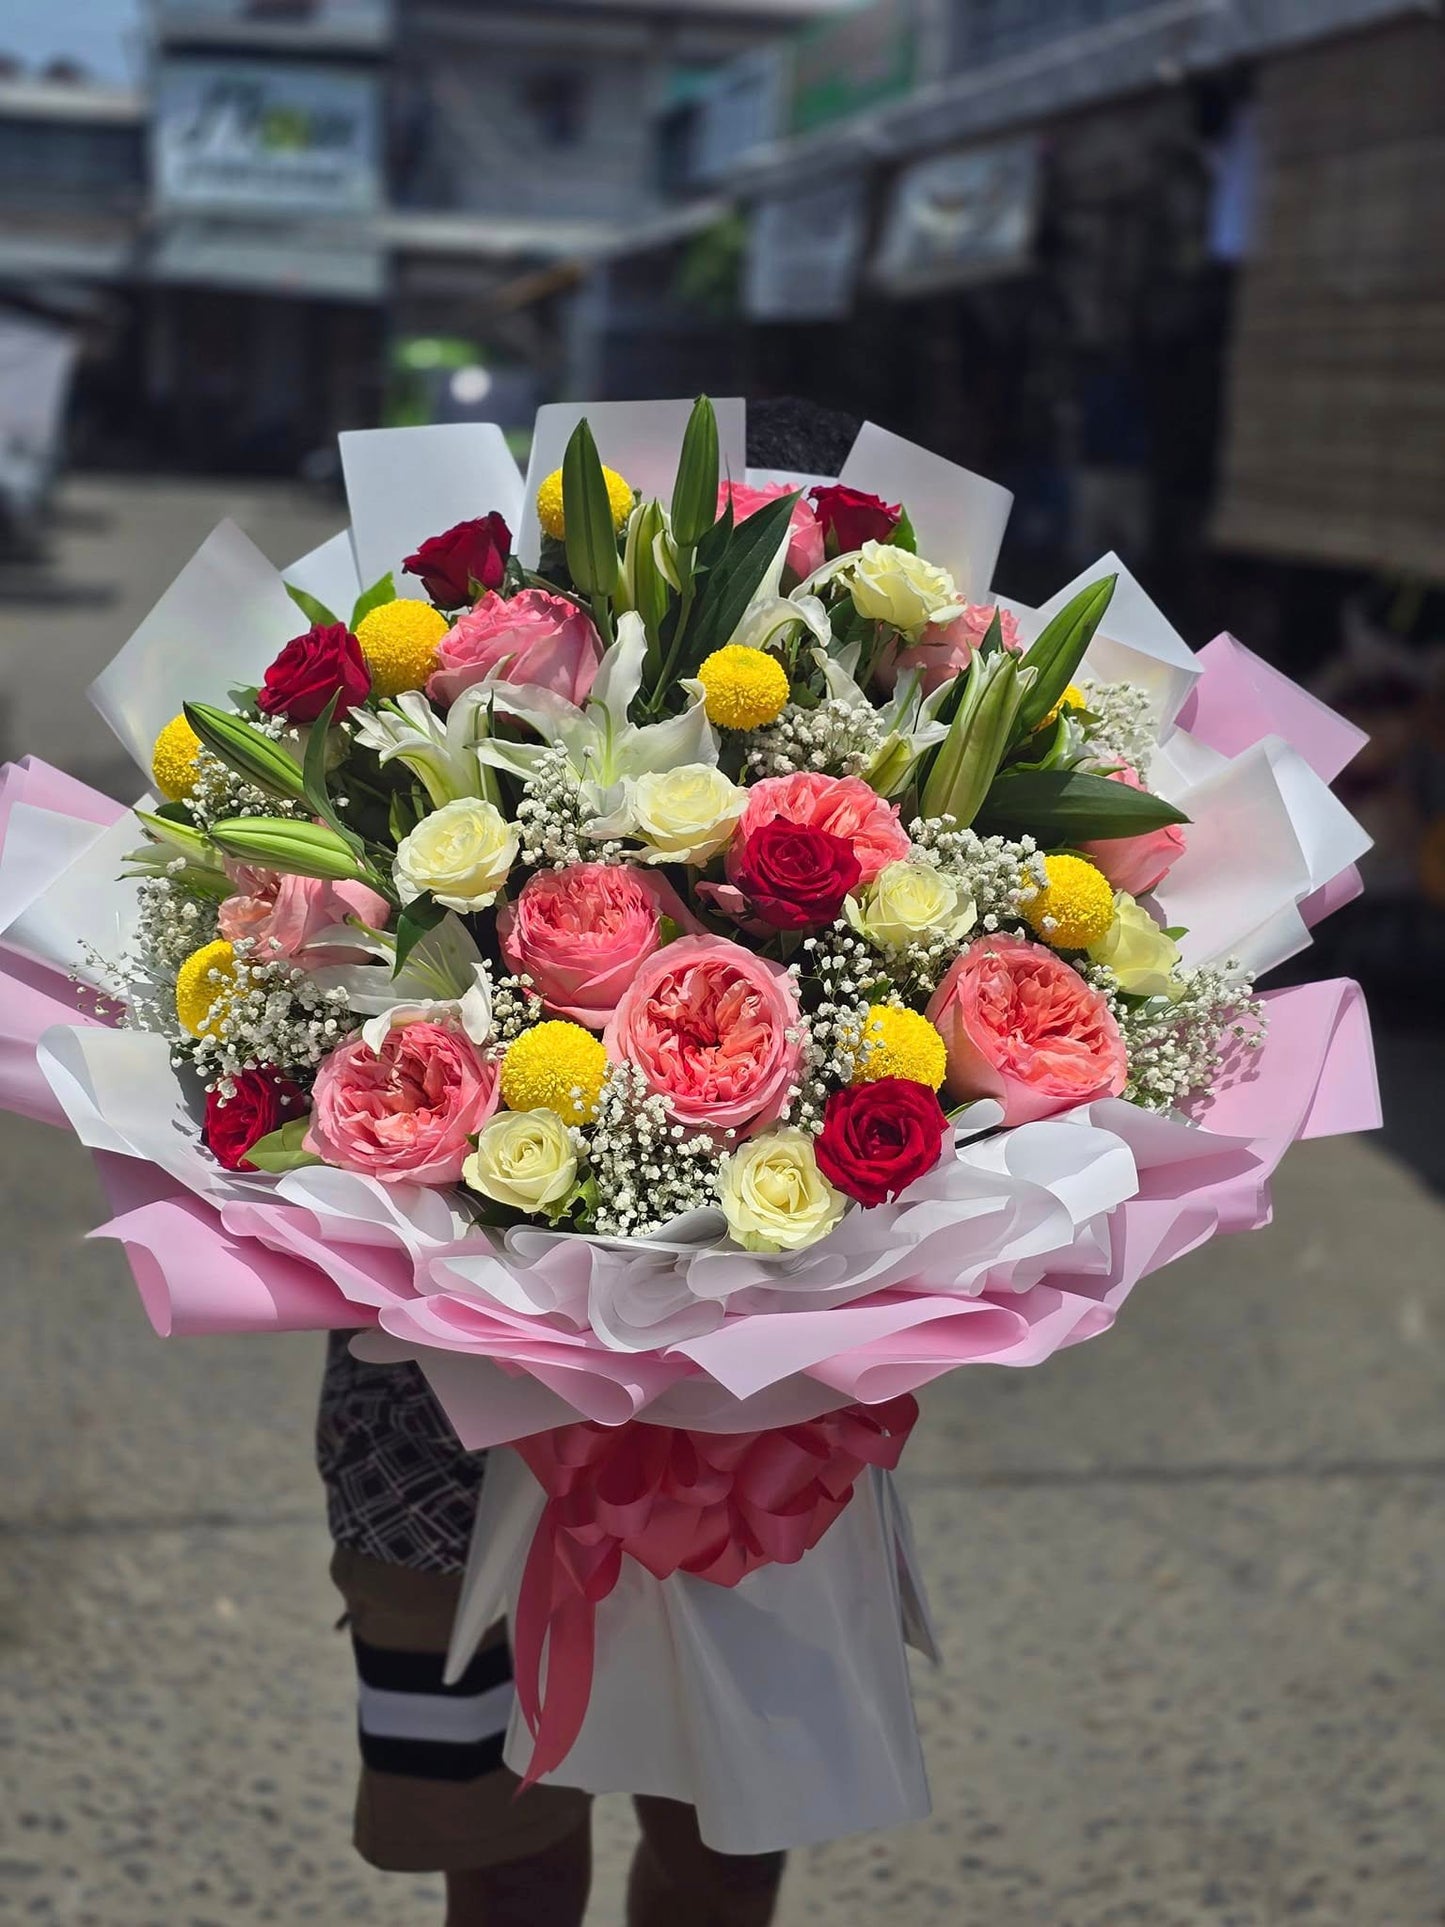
[687, 974]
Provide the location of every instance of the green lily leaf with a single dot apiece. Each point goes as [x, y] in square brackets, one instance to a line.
[416, 918]
[694, 494]
[736, 578]
[1060, 806]
[1061, 648]
[591, 541]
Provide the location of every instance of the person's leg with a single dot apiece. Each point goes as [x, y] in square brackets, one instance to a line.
[434, 1796]
[676, 1878]
[547, 1890]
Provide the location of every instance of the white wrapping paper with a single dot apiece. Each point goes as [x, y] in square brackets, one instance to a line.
[404, 485]
[223, 621]
[960, 517]
[779, 1708]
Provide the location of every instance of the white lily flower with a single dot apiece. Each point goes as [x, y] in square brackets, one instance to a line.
[442, 750]
[604, 748]
[768, 619]
[444, 979]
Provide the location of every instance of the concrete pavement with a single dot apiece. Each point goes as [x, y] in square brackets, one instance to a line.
[1189, 1578]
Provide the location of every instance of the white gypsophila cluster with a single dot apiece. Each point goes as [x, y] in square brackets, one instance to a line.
[218, 792]
[847, 972]
[171, 922]
[646, 1167]
[837, 738]
[1001, 876]
[1179, 1049]
[515, 1007]
[551, 813]
[1125, 729]
[268, 1014]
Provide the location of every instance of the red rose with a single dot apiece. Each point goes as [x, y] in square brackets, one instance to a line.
[311, 669]
[795, 877]
[878, 1137]
[264, 1101]
[456, 566]
[850, 517]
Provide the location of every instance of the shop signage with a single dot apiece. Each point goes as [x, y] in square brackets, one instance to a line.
[968, 215]
[253, 136]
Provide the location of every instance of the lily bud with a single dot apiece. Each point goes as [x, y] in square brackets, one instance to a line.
[978, 737]
[295, 848]
[247, 750]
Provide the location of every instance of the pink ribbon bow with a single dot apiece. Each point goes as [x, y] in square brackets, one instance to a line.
[717, 1506]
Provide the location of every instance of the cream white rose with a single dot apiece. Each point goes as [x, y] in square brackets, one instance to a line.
[1143, 959]
[890, 585]
[911, 902]
[523, 1159]
[461, 853]
[774, 1197]
[685, 815]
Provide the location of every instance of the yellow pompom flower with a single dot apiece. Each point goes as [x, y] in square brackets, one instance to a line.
[173, 760]
[399, 641]
[558, 1067]
[552, 514]
[745, 687]
[900, 1043]
[206, 978]
[1076, 906]
[1072, 698]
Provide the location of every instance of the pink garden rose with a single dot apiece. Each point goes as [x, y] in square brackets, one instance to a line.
[708, 1024]
[946, 647]
[581, 934]
[531, 637]
[805, 532]
[284, 915]
[405, 1115]
[1022, 1027]
[1136, 863]
[844, 806]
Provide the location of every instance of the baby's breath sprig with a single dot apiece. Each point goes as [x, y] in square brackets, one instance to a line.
[837, 738]
[1001, 876]
[1177, 1050]
[645, 1166]
[1122, 729]
[267, 1014]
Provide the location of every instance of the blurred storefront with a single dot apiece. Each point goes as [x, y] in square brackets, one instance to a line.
[266, 268]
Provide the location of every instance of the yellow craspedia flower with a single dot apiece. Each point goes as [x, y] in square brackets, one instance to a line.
[553, 515]
[1076, 906]
[900, 1043]
[207, 976]
[745, 687]
[1072, 698]
[558, 1067]
[173, 760]
[399, 641]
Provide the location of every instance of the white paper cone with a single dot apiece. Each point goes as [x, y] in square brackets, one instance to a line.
[1136, 642]
[404, 485]
[960, 517]
[640, 439]
[221, 623]
[779, 1708]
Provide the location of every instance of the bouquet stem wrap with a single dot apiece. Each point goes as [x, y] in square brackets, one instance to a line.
[717, 1506]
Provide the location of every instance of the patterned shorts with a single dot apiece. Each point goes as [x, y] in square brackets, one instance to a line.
[434, 1795]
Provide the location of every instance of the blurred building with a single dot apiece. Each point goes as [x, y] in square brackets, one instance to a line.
[265, 266]
[1171, 269]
